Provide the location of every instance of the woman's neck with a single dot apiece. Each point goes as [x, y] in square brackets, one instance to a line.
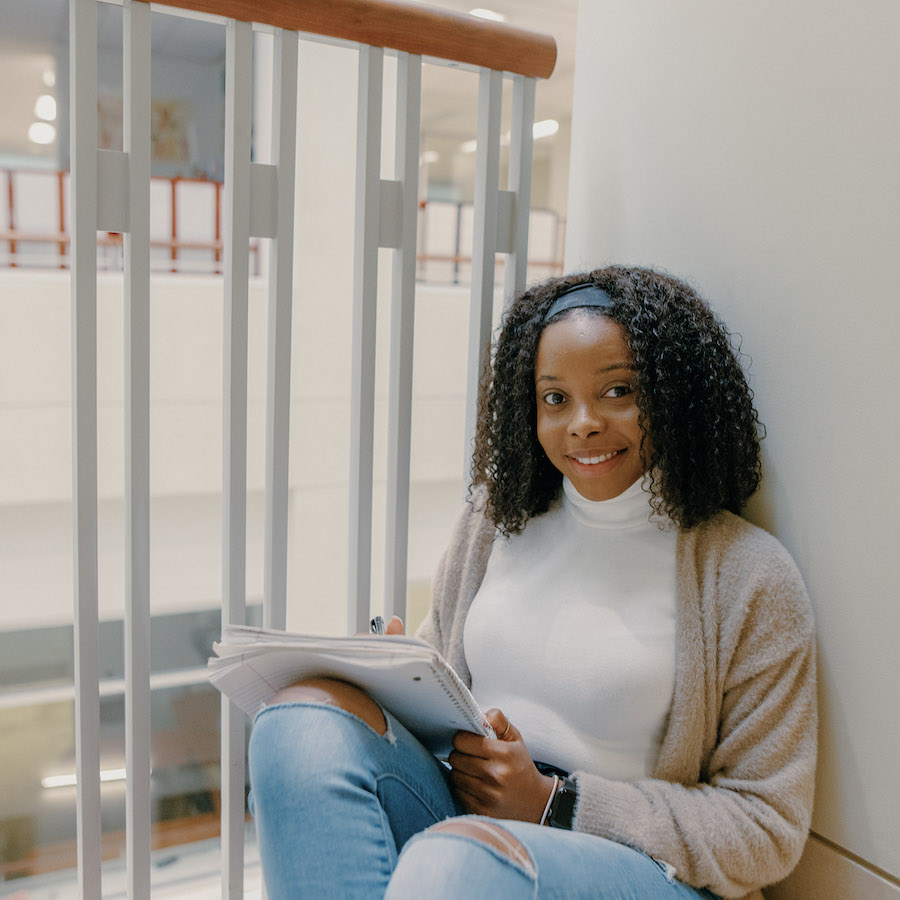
[630, 509]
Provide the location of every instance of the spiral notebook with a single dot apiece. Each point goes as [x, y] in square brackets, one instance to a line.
[405, 675]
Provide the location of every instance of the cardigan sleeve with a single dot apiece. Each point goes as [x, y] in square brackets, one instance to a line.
[743, 822]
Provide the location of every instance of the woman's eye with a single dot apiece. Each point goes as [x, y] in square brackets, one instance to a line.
[554, 398]
[620, 390]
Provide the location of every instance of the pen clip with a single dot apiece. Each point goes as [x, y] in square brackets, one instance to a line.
[376, 625]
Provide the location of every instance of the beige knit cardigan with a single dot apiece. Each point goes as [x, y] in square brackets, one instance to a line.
[730, 800]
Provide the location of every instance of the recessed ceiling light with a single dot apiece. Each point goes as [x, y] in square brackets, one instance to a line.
[488, 14]
[49, 78]
[545, 128]
[45, 108]
[430, 156]
[41, 133]
[469, 146]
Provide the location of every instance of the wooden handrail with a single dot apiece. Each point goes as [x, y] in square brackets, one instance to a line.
[407, 26]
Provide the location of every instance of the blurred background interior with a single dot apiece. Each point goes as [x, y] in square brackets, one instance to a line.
[37, 795]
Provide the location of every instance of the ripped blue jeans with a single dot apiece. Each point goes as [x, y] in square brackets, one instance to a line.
[341, 812]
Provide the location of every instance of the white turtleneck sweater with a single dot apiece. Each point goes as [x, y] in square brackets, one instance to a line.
[587, 670]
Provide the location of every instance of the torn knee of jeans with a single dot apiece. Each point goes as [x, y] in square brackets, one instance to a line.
[331, 692]
[492, 835]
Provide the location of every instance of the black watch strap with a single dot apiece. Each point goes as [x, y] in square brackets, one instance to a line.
[562, 808]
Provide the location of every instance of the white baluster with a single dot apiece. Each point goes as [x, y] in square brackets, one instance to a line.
[521, 152]
[136, 80]
[409, 102]
[487, 166]
[365, 298]
[234, 513]
[84, 185]
[278, 394]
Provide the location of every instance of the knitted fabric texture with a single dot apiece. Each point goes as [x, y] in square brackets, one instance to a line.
[730, 801]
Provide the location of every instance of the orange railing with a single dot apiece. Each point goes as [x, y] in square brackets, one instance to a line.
[410, 27]
[44, 193]
[441, 258]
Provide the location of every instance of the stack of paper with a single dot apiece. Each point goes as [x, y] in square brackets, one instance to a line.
[405, 675]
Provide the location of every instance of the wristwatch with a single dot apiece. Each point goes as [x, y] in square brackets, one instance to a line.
[562, 807]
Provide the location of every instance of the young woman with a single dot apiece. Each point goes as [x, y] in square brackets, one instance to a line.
[648, 655]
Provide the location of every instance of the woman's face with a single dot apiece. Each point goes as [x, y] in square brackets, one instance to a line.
[587, 415]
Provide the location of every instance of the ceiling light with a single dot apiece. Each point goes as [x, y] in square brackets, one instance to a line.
[45, 108]
[49, 78]
[53, 781]
[542, 129]
[488, 14]
[545, 128]
[429, 156]
[41, 133]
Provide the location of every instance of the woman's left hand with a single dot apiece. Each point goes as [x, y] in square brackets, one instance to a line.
[498, 777]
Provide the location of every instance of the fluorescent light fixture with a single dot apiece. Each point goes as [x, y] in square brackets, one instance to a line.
[45, 108]
[545, 128]
[430, 156]
[41, 133]
[488, 14]
[542, 129]
[54, 781]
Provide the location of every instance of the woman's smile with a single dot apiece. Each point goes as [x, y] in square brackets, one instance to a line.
[593, 466]
[587, 459]
[587, 415]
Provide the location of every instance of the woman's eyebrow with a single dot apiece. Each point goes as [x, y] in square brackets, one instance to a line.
[621, 365]
[631, 367]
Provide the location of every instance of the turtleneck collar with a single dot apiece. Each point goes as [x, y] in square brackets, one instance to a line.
[630, 509]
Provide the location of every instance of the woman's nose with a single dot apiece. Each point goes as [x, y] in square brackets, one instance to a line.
[585, 421]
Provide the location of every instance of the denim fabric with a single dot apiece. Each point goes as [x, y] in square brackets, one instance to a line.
[335, 803]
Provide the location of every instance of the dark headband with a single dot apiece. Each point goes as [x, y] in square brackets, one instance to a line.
[587, 294]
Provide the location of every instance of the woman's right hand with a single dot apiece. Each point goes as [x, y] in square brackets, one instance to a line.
[395, 626]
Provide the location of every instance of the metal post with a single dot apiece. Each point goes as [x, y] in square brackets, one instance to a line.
[365, 298]
[487, 166]
[278, 394]
[234, 513]
[521, 152]
[83, 151]
[409, 93]
[136, 75]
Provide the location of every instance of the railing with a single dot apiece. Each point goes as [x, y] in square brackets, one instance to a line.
[186, 217]
[186, 227]
[445, 243]
[110, 192]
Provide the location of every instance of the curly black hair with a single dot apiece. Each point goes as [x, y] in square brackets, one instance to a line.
[701, 433]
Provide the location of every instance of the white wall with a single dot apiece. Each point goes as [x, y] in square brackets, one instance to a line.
[186, 446]
[753, 148]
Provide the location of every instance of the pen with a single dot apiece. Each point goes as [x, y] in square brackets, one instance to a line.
[376, 626]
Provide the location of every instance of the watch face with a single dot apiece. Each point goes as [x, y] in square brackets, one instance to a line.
[562, 814]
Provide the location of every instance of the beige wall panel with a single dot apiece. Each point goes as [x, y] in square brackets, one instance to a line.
[826, 874]
[752, 148]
